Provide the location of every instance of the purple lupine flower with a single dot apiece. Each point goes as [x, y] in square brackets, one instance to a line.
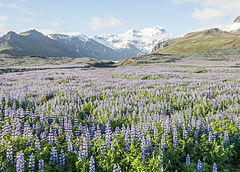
[144, 148]
[88, 138]
[9, 155]
[188, 160]
[83, 152]
[148, 144]
[116, 168]
[235, 136]
[31, 163]
[185, 133]
[92, 129]
[144, 128]
[175, 139]
[54, 156]
[123, 130]
[70, 146]
[127, 140]
[138, 133]
[62, 160]
[117, 132]
[204, 159]
[108, 134]
[41, 164]
[6, 128]
[37, 146]
[210, 137]
[214, 167]
[226, 138]
[20, 162]
[161, 161]
[51, 137]
[199, 166]
[103, 150]
[76, 146]
[155, 132]
[16, 128]
[98, 134]
[163, 142]
[112, 148]
[133, 135]
[91, 165]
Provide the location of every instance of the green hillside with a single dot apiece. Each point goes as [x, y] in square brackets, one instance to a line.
[198, 42]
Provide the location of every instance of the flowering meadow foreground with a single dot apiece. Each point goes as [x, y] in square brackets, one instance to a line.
[139, 118]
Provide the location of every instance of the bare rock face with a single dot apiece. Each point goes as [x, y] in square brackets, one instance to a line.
[237, 20]
[161, 45]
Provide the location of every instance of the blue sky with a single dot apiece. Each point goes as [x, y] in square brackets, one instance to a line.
[94, 17]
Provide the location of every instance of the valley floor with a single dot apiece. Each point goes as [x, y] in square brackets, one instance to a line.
[182, 116]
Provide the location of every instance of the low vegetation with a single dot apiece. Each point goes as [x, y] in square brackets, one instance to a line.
[134, 118]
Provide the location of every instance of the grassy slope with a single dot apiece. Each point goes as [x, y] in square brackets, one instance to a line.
[198, 42]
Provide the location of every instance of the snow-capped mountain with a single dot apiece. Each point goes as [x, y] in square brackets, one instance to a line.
[83, 45]
[136, 41]
[108, 47]
[234, 27]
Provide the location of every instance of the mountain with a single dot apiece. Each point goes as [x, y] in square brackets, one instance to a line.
[82, 46]
[197, 42]
[135, 42]
[233, 27]
[34, 43]
[29, 43]
[108, 47]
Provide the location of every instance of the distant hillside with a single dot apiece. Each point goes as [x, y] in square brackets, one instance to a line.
[34, 43]
[108, 47]
[197, 42]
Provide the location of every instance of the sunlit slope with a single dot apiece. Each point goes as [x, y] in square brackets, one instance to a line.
[197, 42]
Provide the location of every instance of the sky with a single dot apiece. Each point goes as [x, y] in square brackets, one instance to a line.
[99, 17]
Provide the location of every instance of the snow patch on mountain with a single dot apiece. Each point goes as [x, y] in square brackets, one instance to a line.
[69, 36]
[233, 27]
[144, 40]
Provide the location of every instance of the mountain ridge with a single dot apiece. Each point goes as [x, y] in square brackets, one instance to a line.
[201, 41]
[35, 43]
[143, 40]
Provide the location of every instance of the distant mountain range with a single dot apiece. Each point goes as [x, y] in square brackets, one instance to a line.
[108, 47]
[210, 39]
[114, 47]
[136, 42]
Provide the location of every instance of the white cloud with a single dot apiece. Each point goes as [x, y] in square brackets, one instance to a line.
[207, 14]
[213, 9]
[98, 23]
[14, 5]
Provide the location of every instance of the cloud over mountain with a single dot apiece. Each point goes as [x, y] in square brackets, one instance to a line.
[98, 23]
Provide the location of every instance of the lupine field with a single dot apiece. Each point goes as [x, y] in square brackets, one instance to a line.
[139, 118]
